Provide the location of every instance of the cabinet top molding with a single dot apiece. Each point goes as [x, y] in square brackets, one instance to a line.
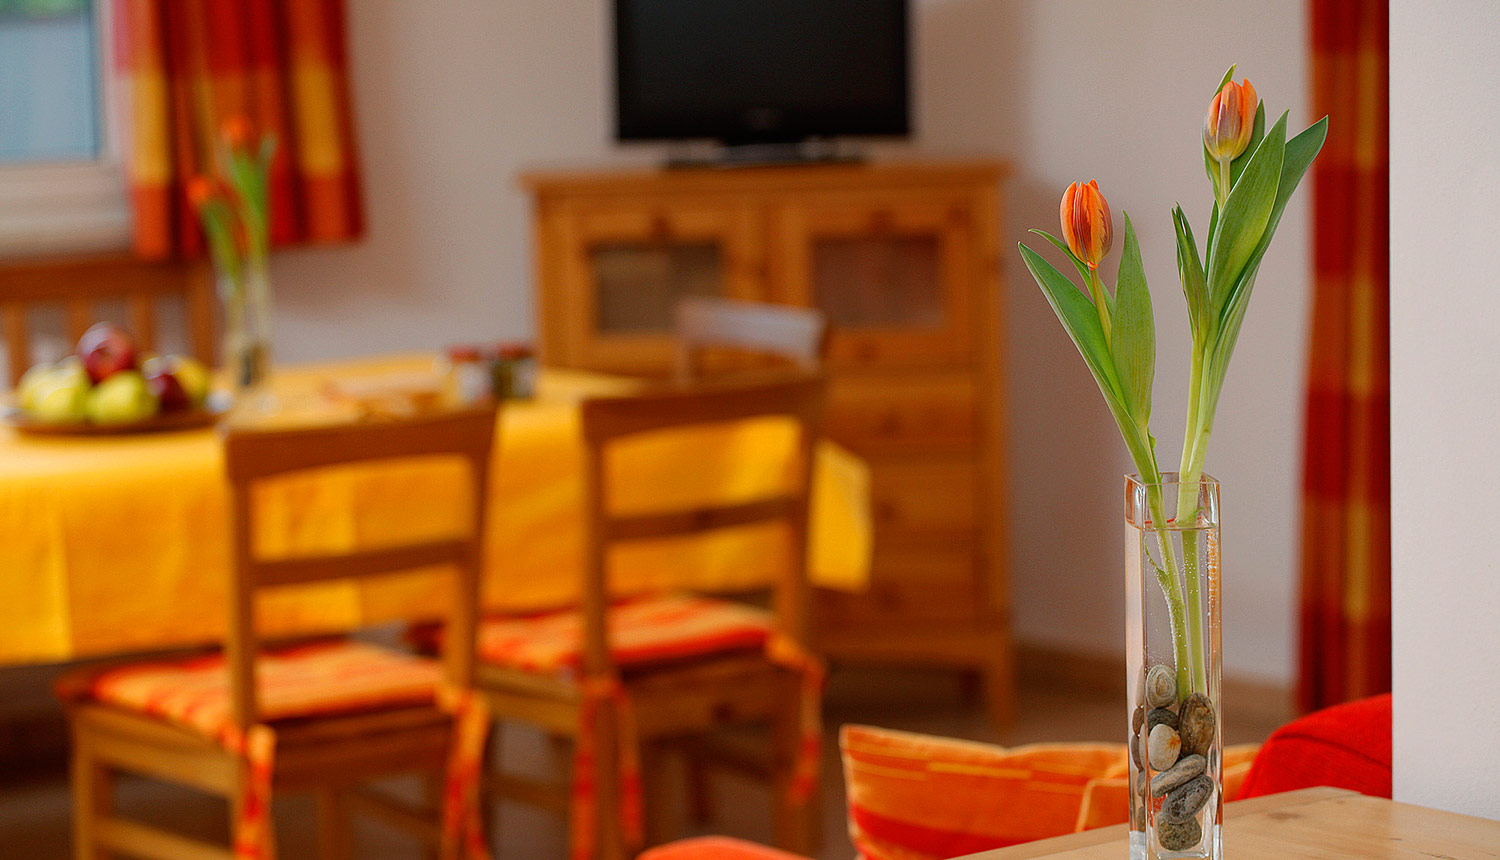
[855, 175]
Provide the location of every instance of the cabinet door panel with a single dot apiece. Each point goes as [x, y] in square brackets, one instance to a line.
[624, 269]
[893, 272]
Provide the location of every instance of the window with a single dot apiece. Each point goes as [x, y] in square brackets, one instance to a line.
[61, 185]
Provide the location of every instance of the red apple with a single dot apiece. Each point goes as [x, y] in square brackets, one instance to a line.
[106, 350]
[169, 392]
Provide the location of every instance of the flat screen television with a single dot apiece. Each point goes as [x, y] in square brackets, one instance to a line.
[760, 71]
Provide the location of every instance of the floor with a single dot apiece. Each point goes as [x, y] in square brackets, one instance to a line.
[34, 810]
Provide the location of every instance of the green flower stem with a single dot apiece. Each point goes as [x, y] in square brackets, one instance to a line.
[1096, 290]
[1195, 446]
[1171, 589]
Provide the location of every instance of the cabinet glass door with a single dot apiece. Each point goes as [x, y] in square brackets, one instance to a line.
[890, 273]
[631, 267]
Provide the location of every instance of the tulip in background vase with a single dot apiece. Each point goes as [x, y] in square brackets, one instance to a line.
[236, 222]
[1172, 518]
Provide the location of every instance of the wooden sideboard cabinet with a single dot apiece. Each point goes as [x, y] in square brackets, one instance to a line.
[903, 260]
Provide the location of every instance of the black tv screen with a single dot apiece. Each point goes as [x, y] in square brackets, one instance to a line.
[760, 71]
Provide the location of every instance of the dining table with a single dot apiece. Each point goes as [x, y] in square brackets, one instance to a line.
[1310, 824]
[122, 543]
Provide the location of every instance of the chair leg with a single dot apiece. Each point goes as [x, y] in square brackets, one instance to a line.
[490, 806]
[432, 804]
[700, 800]
[335, 834]
[608, 834]
[797, 819]
[1000, 683]
[93, 797]
[656, 790]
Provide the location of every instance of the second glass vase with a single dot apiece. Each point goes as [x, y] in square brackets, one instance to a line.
[1173, 661]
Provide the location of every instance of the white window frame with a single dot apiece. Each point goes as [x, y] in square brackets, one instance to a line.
[73, 207]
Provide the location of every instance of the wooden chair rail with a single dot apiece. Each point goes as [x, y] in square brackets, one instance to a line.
[366, 563]
[266, 453]
[607, 418]
[78, 286]
[675, 523]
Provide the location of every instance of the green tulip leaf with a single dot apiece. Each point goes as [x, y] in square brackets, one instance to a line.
[1300, 152]
[1133, 342]
[1190, 273]
[1246, 213]
[1081, 321]
[1080, 265]
[1228, 76]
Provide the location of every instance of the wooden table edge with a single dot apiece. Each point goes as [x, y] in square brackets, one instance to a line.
[1120, 832]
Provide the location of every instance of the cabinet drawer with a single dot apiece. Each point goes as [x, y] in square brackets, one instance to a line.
[903, 414]
[923, 496]
[895, 603]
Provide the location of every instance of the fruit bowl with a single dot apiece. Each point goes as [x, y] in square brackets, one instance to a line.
[108, 387]
[163, 422]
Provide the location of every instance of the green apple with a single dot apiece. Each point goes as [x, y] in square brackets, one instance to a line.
[195, 379]
[122, 398]
[31, 382]
[61, 396]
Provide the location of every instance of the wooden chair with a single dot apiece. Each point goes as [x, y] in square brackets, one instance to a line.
[78, 286]
[338, 712]
[619, 677]
[793, 335]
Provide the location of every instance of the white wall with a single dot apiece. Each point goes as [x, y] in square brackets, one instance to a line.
[451, 105]
[1445, 403]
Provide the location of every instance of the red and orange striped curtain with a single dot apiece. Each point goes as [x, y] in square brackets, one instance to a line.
[1346, 518]
[187, 65]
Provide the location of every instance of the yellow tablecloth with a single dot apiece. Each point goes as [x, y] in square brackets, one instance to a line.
[123, 543]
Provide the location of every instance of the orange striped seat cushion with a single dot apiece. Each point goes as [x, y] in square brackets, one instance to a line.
[914, 797]
[310, 680]
[641, 630]
[1106, 800]
[715, 848]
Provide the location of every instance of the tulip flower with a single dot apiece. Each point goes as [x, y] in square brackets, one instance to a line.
[236, 132]
[1227, 128]
[1086, 224]
[1089, 232]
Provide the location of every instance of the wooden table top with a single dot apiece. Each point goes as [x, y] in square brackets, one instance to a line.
[1321, 823]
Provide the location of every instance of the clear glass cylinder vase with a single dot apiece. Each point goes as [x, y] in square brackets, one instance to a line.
[1173, 661]
[247, 340]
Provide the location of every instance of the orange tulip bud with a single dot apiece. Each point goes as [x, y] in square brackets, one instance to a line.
[1230, 120]
[200, 190]
[236, 132]
[1086, 225]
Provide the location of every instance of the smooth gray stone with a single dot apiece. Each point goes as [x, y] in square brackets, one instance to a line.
[1195, 722]
[1160, 717]
[1184, 802]
[1161, 686]
[1162, 747]
[1179, 835]
[1185, 769]
[1138, 719]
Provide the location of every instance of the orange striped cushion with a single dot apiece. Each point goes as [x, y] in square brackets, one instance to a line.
[914, 797]
[1106, 800]
[641, 630]
[715, 848]
[311, 680]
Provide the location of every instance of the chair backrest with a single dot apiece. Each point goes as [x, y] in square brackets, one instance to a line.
[608, 420]
[253, 455]
[793, 334]
[77, 286]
